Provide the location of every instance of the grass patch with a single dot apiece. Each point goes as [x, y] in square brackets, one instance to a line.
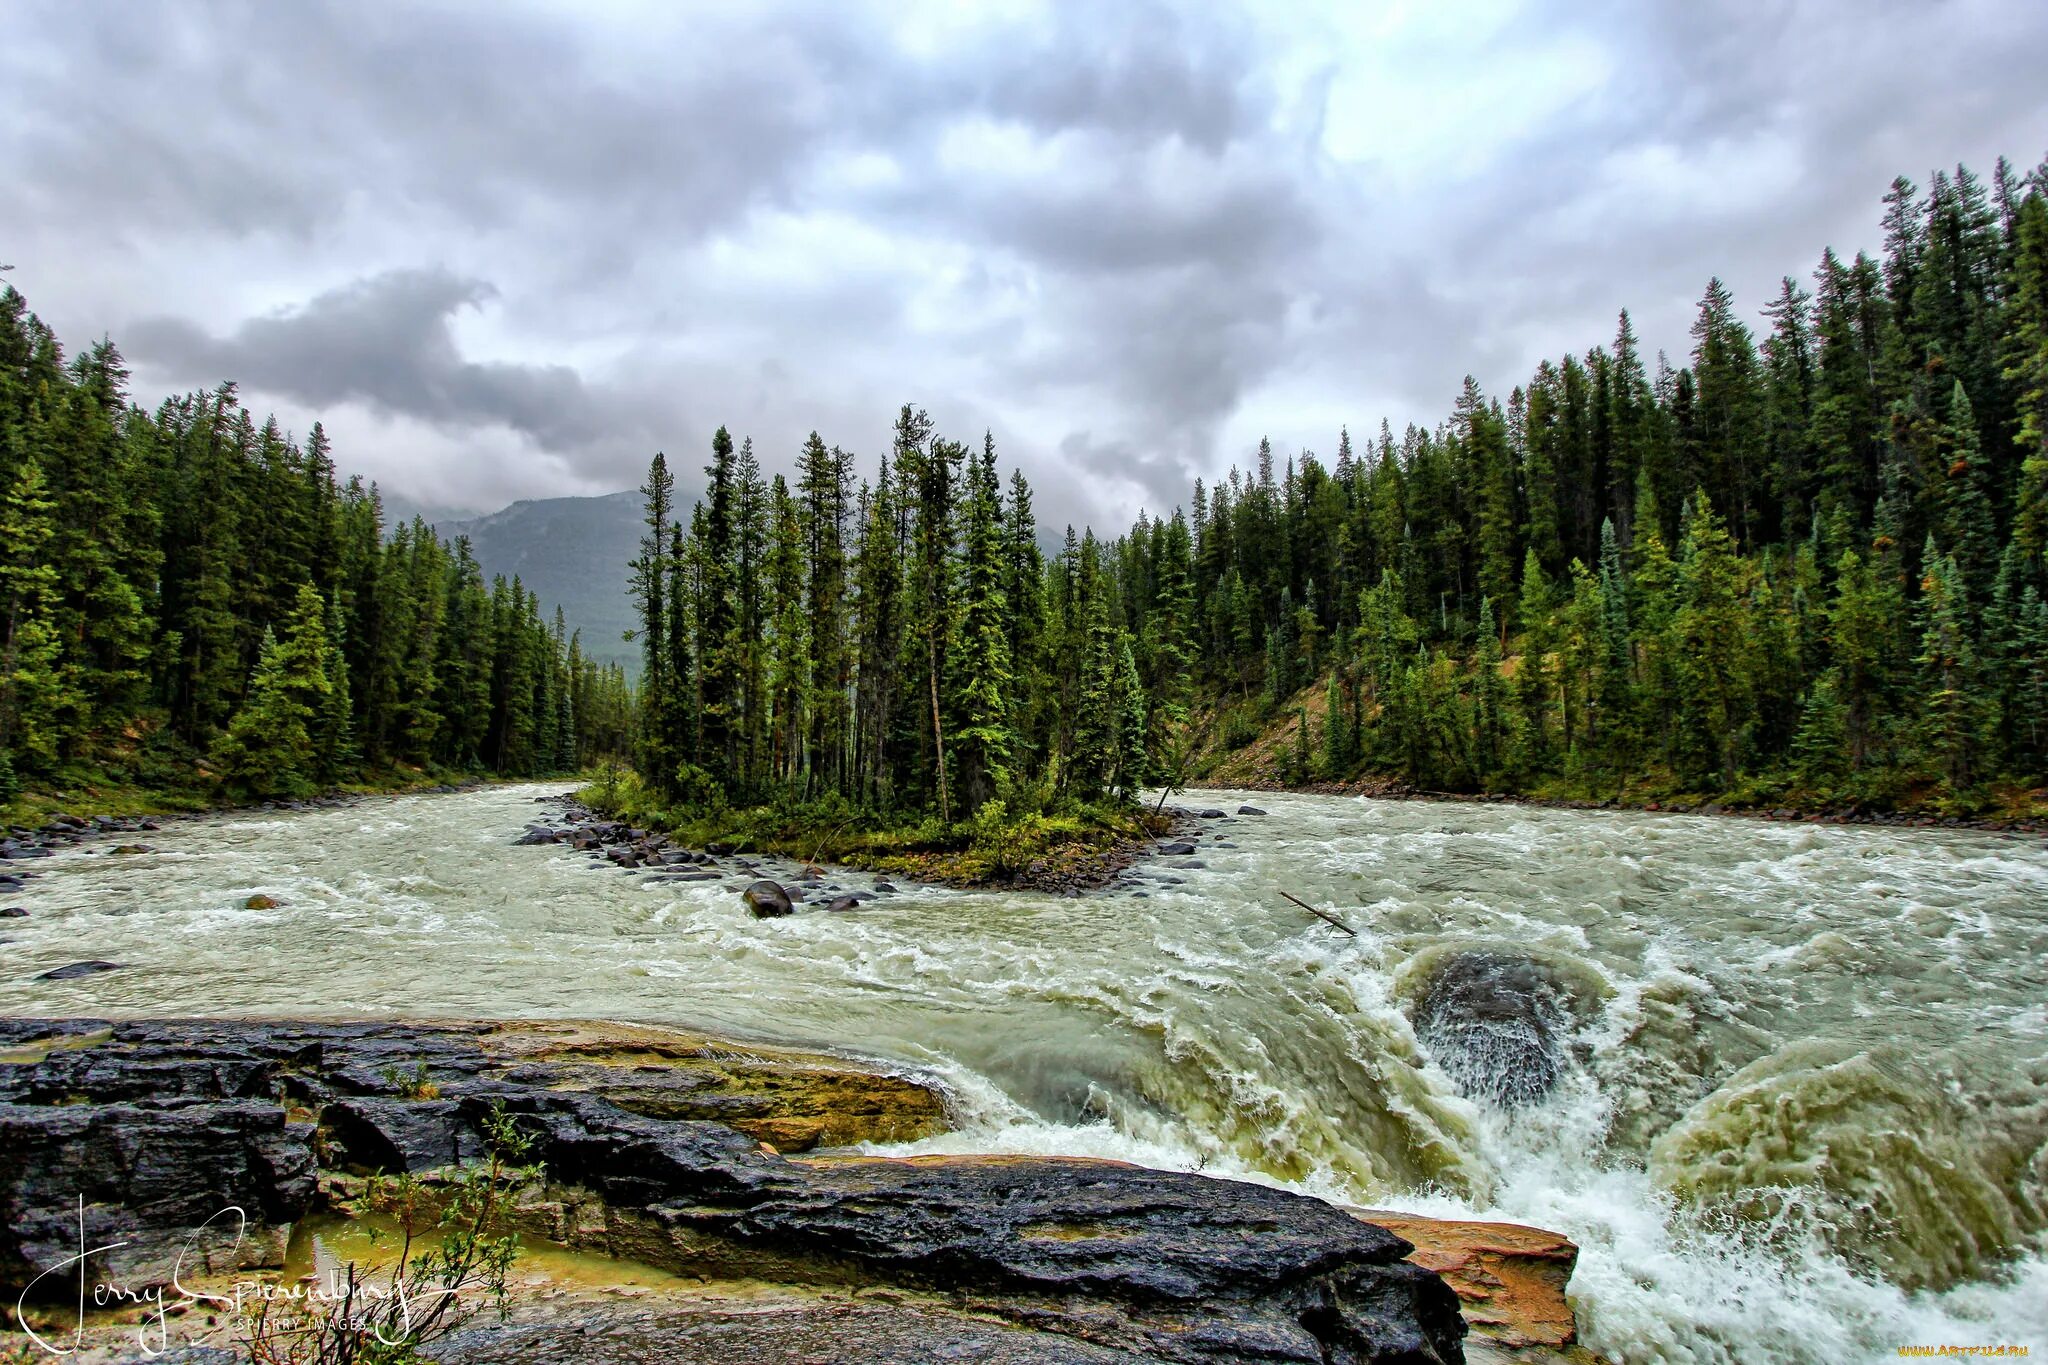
[1039, 844]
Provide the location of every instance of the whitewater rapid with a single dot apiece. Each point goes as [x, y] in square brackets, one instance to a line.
[1800, 1099]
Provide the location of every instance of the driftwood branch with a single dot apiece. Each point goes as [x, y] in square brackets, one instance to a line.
[1321, 915]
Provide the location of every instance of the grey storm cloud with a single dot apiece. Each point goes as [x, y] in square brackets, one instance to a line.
[519, 247]
[385, 342]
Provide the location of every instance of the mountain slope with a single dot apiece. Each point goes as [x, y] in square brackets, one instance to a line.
[571, 552]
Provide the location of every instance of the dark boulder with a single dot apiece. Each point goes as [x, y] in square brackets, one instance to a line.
[885, 889]
[1211, 815]
[843, 903]
[1175, 850]
[767, 900]
[13, 912]
[1497, 1024]
[537, 834]
[72, 971]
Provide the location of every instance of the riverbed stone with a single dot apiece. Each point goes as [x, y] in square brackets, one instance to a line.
[767, 899]
[260, 902]
[74, 970]
[13, 912]
[1249, 810]
[1495, 1022]
[1180, 848]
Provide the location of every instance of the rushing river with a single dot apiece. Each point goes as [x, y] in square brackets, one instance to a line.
[1786, 1085]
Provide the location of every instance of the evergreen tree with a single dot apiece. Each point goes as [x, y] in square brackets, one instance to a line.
[31, 686]
[1952, 725]
[980, 671]
[269, 748]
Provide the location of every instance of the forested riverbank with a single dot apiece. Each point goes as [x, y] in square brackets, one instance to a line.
[195, 609]
[1803, 573]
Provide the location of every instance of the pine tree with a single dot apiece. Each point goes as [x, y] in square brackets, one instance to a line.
[269, 748]
[719, 700]
[1127, 705]
[1713, 707]
[1966, 522]
[790, 667]
[660, 748]
[31, 686]
[1952, 723]
[980, 670]
[823, 478]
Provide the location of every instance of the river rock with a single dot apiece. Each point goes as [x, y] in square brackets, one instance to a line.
[72, 971]
[885, 889]
[1511, 1279]
[539, 834]
[1249, 810]
[127, 849]
[260, 902]
[839, 904]
[767, 899]
[158, 1123]
[1496, 1024]
[1179, 849]
[13, 912]
[1211, 815]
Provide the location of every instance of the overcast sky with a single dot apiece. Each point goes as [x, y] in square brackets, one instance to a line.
[509, 250]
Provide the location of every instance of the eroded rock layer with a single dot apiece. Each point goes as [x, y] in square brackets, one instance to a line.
[654, 1146]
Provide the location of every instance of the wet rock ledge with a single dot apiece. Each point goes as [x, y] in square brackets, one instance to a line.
[672, 1150]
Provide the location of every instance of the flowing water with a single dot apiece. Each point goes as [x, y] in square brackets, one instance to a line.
[1786, 1085]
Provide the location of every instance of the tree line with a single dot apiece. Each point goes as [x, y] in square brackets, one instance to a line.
[1805, 565]
[1808, 563]
[901, 642]
[191, 592]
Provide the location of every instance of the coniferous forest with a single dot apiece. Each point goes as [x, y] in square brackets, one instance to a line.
[1805, 566]
[191, 602]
